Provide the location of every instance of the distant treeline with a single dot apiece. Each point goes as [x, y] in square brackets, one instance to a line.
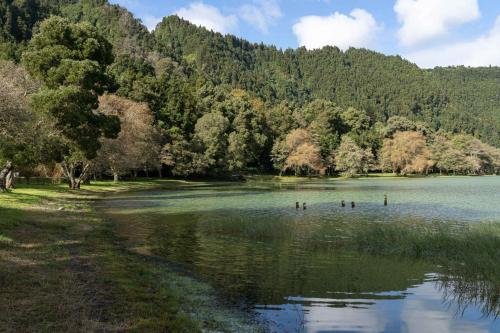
[193, 102]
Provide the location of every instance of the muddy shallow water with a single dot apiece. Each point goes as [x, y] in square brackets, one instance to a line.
[251, 243]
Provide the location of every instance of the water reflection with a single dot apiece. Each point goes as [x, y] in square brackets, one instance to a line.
[290, 267]
[418, 309]
[462, 291]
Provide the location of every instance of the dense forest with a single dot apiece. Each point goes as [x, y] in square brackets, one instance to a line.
[87, 90]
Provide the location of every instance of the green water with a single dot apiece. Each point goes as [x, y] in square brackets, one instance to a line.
[288, 266]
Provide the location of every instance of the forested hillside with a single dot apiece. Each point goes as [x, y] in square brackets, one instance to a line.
[455, 99]
[475, 100]
[222, 104]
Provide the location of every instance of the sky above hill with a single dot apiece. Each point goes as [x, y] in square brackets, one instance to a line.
[427, 32]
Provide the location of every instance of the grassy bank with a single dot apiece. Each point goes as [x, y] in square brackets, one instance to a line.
[62, 269]
[476, 247]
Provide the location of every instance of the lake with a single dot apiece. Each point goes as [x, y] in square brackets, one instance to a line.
[287, 266]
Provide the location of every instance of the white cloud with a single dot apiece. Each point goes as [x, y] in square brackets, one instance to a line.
[425, 311]
[424, 20]
[209, 17]
[356, 30]
[151, 21]
[261, 14]
[483, 51]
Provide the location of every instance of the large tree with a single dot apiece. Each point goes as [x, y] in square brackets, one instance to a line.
[71, 61]
[211, 139]
[323, 120]
[479, 157]
[350, 159]
[407, 153]
[27, 138]
[298, 153]
[138, 144]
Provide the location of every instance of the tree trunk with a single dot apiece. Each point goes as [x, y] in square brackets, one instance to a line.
[69, 173]
[160, 175]
[73, 181]
[116, 178]
[3, 176]
[9, 180]
[82, 179]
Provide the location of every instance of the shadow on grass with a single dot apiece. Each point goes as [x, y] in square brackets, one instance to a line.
[45, 283]
[66, 271]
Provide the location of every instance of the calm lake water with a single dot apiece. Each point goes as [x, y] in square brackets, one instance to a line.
[250, 242]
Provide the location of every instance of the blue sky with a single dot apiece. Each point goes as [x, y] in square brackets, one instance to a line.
[427, 32]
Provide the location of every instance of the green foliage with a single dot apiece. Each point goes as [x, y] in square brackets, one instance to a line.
[281, 119]
[179, 156]
[71, 60]
[247, 139]
[474, 106]
[18, 18]
[134, 78]
[350, 159]
[212, 138]
[126, 34]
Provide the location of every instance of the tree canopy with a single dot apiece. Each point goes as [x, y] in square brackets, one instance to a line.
[71, 60]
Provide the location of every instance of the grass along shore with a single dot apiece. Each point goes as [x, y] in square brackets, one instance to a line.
[62, 269]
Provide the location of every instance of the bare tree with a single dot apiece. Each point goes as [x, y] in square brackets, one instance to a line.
[138, 144]
[21, 130]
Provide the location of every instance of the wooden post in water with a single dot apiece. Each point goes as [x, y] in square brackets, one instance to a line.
[353, 204]
[385, 199]
[297, 205]
[304, 206]
[342, 203]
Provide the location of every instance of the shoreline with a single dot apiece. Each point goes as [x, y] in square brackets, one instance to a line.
[60, 257]
[57, 237]
[146, 183]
